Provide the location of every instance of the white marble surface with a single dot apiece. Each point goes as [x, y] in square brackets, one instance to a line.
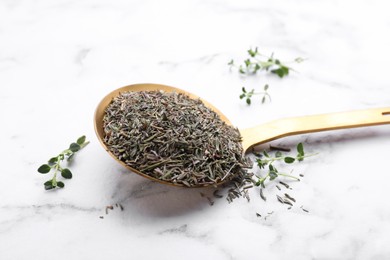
[59, 58]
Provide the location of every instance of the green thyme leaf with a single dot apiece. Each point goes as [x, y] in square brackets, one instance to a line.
[81, 140]
[252, 53]
[60, 184]
[44, 168]
[48, 185]
[281, 72]
[289, 159]
[53, 160]
[66, 173]
[261, 164]
[74, 147]
[257, 68]
[272, 175]
[271, 167]
[300, 149]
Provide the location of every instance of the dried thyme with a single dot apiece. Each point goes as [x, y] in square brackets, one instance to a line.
[173, 138]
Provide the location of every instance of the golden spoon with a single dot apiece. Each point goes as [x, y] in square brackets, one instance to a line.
[261, 133]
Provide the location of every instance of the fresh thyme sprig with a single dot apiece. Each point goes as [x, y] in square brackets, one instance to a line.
[54, 164]
[267, 172]
[272, 172]
[259, 62]
[248, 95]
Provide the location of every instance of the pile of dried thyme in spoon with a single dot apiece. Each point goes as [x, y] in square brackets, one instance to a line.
[173, 138]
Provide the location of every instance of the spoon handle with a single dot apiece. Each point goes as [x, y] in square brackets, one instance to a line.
[314, 123]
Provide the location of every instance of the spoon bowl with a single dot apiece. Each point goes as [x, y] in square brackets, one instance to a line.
[258, 134]
[100, 112]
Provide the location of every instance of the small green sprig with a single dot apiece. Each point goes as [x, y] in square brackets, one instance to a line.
[266, 161]
[258, 62]
[54, 164]
[247, 95]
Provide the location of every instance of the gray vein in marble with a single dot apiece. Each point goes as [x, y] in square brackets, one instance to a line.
[223, 7]
[38, 208]
[184, 230]
[181, 229]
[7, 225]
[143, 189]
[173, 203]
[27, 211]
[330, 83]
[81, 55]
[8, 63]
[11, 4]
[206, 59]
